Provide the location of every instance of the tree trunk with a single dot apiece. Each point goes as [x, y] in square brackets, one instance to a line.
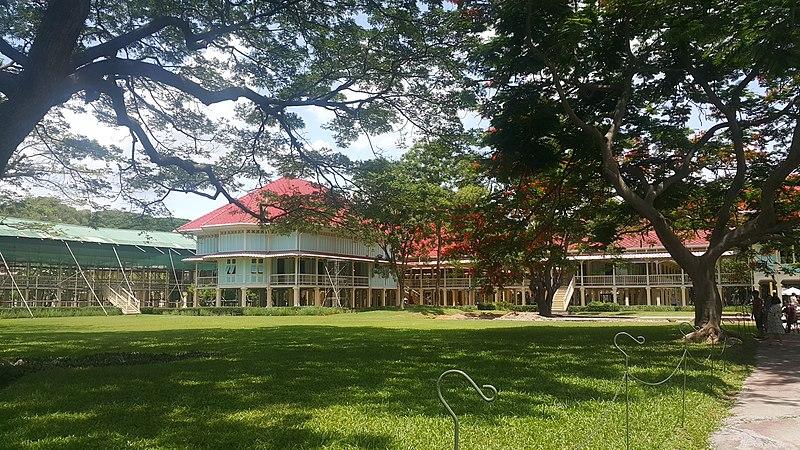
[544, 301]
[708, 305]
[43, 81]
[436, 296]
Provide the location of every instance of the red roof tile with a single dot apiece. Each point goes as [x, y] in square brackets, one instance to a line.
[650, 240]
[231, 214]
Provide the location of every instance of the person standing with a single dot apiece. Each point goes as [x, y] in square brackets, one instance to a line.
[790, 310]
[758, 312]
[774, 323]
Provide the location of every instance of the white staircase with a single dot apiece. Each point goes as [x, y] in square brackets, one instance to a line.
[563, 295]
[123, 300]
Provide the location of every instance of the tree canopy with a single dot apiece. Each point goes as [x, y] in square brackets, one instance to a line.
[690, 107]
[213, 93]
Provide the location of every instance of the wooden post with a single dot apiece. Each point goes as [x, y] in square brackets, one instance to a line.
[196, 294]
[269, 297]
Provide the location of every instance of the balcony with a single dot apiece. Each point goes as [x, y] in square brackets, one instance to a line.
[663, 279]
[318, 280]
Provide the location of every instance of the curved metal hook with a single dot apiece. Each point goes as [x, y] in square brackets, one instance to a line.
[683, 325]
[639, 340]
[477, 389]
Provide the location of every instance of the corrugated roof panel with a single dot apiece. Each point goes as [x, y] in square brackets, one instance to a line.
[13, 227]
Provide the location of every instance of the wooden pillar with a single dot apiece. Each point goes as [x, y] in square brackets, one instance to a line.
[317, 297]
[683, 287]
[269, 297]
[647, 288]
[383, 297]
[196, 294]
[444, 297]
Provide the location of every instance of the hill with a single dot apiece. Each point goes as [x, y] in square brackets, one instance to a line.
[54, 210]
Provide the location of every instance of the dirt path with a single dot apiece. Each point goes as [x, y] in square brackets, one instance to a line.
[767, 411]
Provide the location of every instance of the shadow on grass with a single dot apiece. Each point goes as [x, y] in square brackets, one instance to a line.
[309, 386]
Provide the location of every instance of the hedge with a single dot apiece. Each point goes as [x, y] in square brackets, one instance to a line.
[240, 311]
[614, 307]
[16, 313]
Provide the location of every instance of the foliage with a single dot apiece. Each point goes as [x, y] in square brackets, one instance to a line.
[51, 209]
[534, 219]
[239, 311]
[19, 312]
[692, 116]
[216, 94]
[608, 307]
[362, 380]
[603, 306]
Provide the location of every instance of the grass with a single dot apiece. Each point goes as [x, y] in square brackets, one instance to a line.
[360, 380]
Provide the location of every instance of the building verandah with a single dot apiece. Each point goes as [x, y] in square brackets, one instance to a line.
[263, 280]
[649, 281]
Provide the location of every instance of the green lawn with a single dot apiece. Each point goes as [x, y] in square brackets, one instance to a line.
[360, 380]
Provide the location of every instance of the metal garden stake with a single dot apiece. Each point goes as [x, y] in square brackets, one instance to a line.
[480, 392]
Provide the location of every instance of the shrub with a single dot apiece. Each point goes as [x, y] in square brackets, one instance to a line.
[524, 308]
[239, 311]
[486, 307]
[688, 308]
[603, 307]
[14, 313]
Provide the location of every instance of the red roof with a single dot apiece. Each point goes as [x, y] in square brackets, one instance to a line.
[231, 214]
[650, 240]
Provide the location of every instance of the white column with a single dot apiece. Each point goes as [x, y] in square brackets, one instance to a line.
[683, 288]
[614, 283]
[647, 281]
[383, 297]
[269, 297]
[243, 300]
[195, 294]
[296, 296]
[218, 298]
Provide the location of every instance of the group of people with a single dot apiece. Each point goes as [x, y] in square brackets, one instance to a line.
[768, 314]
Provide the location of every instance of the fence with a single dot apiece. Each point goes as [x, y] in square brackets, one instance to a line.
[627, 378]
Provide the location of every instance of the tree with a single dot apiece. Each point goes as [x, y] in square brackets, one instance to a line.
[211, 92]
[394, 212]
[51, 209]
[528, 226]
[691, 107]
[443, 168]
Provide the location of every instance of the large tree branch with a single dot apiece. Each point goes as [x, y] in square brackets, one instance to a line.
[12, 53]
[193, 41]
[730, 111]
[8, 81]
[124, 68]
[112, 47]
[685, 167]
[116, 95]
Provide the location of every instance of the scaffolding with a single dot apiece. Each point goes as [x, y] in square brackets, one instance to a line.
[57, 265]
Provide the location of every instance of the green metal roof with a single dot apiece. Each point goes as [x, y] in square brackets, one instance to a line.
[21, 228]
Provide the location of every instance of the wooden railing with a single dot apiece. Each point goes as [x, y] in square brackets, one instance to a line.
[662, 279]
